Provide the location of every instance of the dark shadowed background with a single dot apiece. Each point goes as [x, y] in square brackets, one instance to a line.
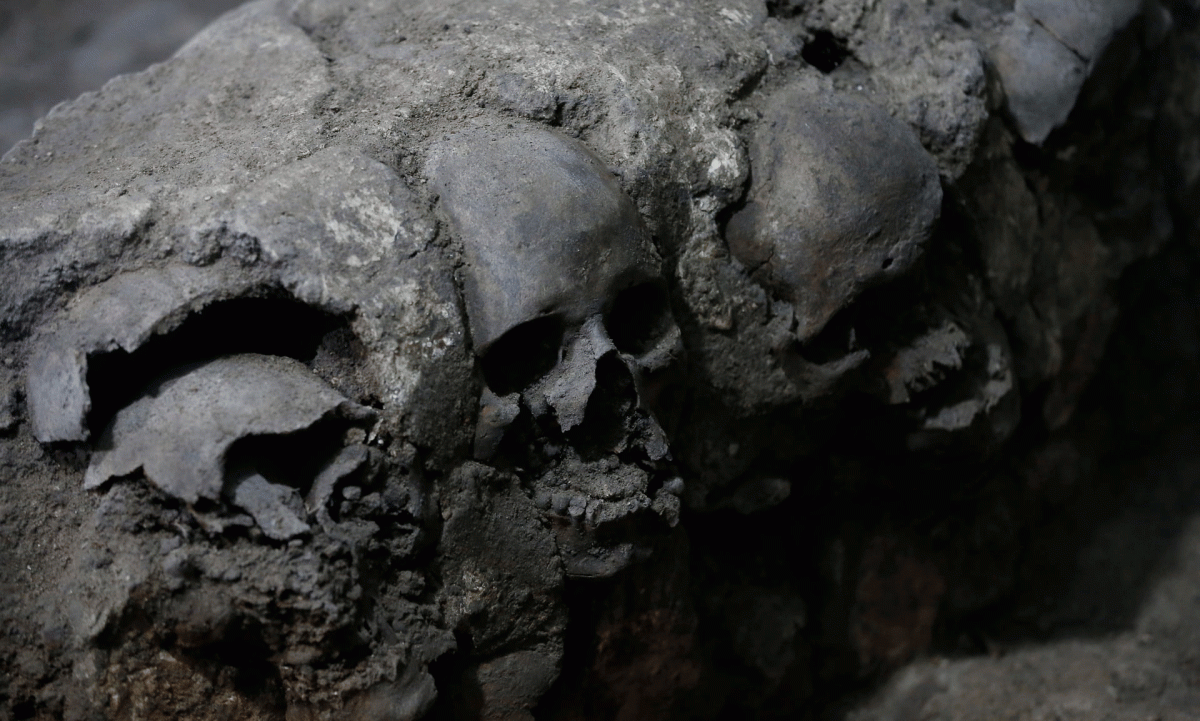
[53, 50]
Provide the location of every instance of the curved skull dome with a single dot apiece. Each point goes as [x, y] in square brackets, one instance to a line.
[843, 197]
[545, 227]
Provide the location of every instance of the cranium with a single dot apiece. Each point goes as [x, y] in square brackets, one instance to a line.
[844, 197]
[571, 322]
[564, 293]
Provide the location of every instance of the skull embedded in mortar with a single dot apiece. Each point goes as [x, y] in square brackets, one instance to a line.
[253, 446]
[571, 323]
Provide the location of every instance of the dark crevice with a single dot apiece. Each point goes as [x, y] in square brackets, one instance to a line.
[459, 693]
[825, 51]
[726, 215]
[243, 649]
[751, 83]
[1029, 156]
[784, 8]
[23, 709]
[835, 341]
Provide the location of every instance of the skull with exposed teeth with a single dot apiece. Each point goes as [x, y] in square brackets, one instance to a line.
[566, 301]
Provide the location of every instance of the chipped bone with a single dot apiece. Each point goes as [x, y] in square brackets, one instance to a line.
[347, 461]
[1046, 53]
[179, 437]
[121, 313]
[273, 506]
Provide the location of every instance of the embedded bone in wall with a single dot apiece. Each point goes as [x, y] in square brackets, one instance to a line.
[403, 360]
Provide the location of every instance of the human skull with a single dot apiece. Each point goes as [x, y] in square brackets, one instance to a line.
[571, 323]
[564, 293]
[843, 198]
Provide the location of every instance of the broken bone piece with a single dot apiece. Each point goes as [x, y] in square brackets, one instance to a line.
[121, 313]
[179, 437]
[496, 414]
[843, 198]
[347, 461]
[275, 508]
[1041, 78]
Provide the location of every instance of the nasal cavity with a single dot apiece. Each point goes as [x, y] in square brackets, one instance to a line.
[611, 403]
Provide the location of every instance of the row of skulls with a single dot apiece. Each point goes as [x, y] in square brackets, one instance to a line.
[569, 311]
[563, 288]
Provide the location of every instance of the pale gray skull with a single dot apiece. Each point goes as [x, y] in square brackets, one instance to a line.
[563, 289]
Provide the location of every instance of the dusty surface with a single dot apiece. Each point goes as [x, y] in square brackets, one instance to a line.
[611, 360]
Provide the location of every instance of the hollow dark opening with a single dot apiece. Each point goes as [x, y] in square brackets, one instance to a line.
[603, 423]
[271, 326]
[825, 52]
[24, 709]
[291, 459]
[835, 341]
[244, 650]
[522, 355]
[784, 8]
[639, 317]
[460, 695]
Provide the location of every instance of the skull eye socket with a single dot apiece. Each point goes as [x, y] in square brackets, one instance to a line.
[522, 355]
[639, 317]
